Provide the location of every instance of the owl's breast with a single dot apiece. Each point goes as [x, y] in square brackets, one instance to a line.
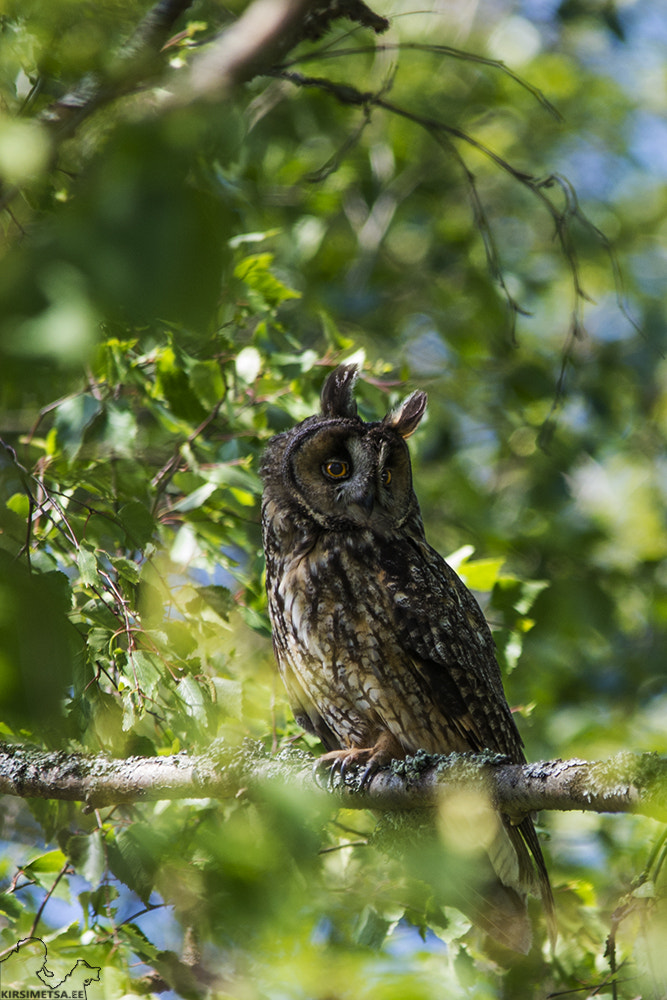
[338, 650]
[320, 603]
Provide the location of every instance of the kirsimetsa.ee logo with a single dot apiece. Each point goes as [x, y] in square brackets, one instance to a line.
[25, 975]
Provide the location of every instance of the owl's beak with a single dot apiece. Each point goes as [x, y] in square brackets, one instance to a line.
[367, 501]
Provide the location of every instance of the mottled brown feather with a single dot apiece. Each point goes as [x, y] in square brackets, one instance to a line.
[382, 648]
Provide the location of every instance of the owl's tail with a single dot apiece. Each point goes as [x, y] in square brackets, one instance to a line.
[500, 905]
[530, 839]
[502, 914]
[508, 868]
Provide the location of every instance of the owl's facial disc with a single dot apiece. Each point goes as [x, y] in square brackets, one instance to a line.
[353, 477]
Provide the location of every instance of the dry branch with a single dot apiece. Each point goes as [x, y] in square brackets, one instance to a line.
[625, 783]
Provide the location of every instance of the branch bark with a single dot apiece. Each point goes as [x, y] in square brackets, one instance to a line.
[625, 783]
[262, 35]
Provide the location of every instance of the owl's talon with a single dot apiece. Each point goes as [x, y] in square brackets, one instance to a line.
[326, 768]
[333, 774]
[341, 764]
[369, 774]
[324, 772]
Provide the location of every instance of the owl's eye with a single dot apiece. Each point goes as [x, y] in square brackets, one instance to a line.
[385, 477]
[335, 468]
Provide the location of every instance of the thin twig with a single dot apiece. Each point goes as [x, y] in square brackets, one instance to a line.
[329, 52]
[38, 916]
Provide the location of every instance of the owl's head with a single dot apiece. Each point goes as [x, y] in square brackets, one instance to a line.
[340, 471]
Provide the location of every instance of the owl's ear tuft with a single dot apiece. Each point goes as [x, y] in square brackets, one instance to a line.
[405, 418]
[337, 393]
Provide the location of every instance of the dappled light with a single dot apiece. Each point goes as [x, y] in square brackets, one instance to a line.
[467, 199]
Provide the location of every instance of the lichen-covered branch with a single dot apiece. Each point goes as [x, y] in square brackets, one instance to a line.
[625, 783]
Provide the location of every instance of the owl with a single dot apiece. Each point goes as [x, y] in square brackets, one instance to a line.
[382, 648]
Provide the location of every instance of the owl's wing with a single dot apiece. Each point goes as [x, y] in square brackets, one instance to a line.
[443, 630]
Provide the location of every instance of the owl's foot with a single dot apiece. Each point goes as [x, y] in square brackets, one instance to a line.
[376, 757]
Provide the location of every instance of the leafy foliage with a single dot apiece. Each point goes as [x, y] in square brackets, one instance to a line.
[175, 285]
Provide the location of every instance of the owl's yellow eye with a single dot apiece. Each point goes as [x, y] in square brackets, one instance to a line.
[336, 469]
[386, 477]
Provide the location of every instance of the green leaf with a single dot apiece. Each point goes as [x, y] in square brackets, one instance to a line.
[207, 382]
[146, 669]
[121, 431]
[238, 476]
[49, 863]
[133, 858]
[127, 569]
[35, 630]
[481, 574]
[230, 696]
[179, 639]
[332, 334]
[513, 650]
[138, 942]
[516, 597]
[219, 598]
[459, 558]
[130, 713]
[98, 640]
[194, 500]
[19, 503]
[73, 417]
[137, 523]
[87, 564]
[192, 694]
[372, 928]
[87, 855]
[243, 498]
[173, 384]
[256, 621]
[255, 272]
[10, 905]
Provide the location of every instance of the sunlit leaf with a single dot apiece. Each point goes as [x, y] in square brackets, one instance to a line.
[481, 574]
[51, 862]
[177, 280]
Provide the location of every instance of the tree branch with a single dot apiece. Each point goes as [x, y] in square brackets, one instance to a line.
[625, 783]
[265, 31]
[262, 34]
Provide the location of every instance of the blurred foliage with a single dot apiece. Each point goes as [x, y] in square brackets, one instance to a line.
[174, 286]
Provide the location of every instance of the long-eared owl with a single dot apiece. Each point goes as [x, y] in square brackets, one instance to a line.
[382, 648]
